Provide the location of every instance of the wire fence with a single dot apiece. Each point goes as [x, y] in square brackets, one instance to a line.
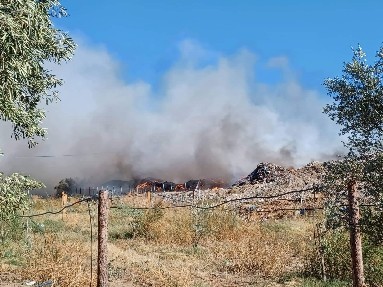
[197, 204]
[212, 206]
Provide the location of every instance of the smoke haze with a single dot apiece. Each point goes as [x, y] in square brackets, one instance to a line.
[209, 118]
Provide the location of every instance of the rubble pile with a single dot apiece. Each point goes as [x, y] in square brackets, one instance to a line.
[198, 197]
[264, 173]
[267, 180]
[271, 179]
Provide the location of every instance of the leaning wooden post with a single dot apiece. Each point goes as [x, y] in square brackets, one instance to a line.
[64, 200]
[149, 198]
[355, 236]
[102, 264]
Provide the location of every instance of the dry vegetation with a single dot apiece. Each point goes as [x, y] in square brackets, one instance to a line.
[158, 247]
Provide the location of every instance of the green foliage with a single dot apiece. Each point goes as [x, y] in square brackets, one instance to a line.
[200, 224]
[28, 41]
[368, 172]
[49, 225]
[313, 282]
[371, 224]
[333, 248]
[140, 225]
[358, 109]
[358, 102]
[13, 200]
[338, 174]
[13, 194]
[373, 267]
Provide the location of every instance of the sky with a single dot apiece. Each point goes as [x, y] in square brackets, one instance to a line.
[315, 36]
[194, 89]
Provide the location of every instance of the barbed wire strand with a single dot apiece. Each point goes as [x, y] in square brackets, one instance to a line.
[57, 212]
[224, 202]
[87, 199]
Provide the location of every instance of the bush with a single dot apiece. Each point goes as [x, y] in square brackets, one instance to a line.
[14, 200]
[373, 263]
[312, 282]
[371, 223]
[140, 225]
[335, 249]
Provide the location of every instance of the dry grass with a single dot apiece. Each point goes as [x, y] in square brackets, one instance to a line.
[158, 247]
[54, 258]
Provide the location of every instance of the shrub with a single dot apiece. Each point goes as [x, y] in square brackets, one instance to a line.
[335, 250]
[140, 225]
[313, 282]
[13, 201]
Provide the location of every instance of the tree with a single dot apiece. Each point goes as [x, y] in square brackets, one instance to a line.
[358, 109]
[67, 185]
[358, 106]
[28, 40]
[13, 199]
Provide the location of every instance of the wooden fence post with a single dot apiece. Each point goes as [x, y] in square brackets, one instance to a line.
[321, 251]
[102, 264]
[355, 236]
[149, 198]
[64, 200]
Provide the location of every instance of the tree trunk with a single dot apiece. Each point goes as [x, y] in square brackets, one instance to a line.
[355, 236]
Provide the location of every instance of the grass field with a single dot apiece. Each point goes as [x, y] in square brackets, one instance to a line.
[159, 247]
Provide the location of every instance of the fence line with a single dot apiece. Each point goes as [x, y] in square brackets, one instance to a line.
[57, 212]
[102, 248]
[87, 199]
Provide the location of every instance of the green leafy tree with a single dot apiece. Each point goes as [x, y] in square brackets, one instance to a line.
[358, 103]
[28, 41]
[358, 109]
[13, 199]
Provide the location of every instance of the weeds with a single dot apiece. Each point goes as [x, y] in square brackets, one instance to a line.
[334, 253]
[180, 247]
[312, 282]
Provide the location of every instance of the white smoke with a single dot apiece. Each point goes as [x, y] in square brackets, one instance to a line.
[209, 118]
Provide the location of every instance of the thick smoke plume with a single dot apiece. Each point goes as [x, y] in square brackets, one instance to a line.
[209, 118]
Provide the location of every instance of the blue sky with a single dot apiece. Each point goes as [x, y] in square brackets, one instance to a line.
[315, 36]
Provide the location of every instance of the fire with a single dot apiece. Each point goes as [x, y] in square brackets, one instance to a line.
[144, 187]
[180, 187]
[152, 186]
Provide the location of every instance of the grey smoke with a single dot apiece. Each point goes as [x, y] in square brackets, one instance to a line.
[209, 118]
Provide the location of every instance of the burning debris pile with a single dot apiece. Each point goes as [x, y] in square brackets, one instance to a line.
[267, 189]
[280, 188]
[157, 185]
[266, 179]
[149, 184]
